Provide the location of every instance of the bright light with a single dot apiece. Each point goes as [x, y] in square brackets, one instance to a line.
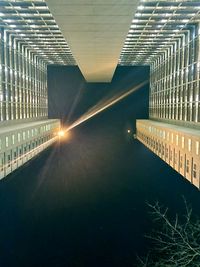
[140, 7]
[104, 105]
[61, 133]
[128, 131]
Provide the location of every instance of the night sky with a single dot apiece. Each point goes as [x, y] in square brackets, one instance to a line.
[82, 202]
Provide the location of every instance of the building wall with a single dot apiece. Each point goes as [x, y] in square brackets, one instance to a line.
[174, 79]
[177, 146]
[21, 142]
[23, 82]
[24, 128]
[174, 104]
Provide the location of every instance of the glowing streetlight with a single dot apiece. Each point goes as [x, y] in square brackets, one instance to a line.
[61, 133]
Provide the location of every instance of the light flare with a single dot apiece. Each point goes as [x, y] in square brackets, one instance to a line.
[61, 133]
[101, 106]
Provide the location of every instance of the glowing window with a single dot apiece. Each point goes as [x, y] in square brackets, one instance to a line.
[197, 147]
[189, 144]
[182, 141]
[177, 139]
[7, 143]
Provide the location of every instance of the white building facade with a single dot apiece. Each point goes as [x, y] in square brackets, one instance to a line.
[173, 130]
[26, 32]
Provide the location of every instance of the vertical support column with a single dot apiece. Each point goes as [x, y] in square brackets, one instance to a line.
[12, 79]
[174, 81]
[197, 78]
[19, 61]
[8, 76]
[178, 89]
[170, 81]
[182, 55]
[185, 76]
[4, 73]
[191, 71]
[2, 76]
[165, 84]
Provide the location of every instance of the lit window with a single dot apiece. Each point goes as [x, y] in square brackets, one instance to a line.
[164, 134]
[7, 141]
[24, 135]
[19, 137]
[182, 141]
[189, 144]
[177, 139]
[197, 147]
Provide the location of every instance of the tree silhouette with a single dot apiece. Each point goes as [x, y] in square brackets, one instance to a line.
[176, 242]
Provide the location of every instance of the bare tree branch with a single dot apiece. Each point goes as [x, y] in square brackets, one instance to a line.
[177, 242]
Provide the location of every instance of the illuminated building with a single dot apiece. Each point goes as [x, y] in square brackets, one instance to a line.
[25, 129]
[101, 34]
[173, 51]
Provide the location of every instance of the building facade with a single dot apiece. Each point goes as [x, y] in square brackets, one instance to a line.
[25, 129]
[173, 129]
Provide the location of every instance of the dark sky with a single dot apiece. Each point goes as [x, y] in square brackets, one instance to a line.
[82, 202]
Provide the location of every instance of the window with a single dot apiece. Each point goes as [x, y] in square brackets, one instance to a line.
[189, 144]
[19, 137]
[7, 143]
[13, 139]
[181, 161]
[177, 139]
[9, 160]
[170, 155]
[166, 152]
[197, 147]
[24, 135]
[182, 141]
[175, 158]
[187, 165]
[164, 134]
[194, 170]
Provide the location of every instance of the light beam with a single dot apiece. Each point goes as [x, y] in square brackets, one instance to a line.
[99, 108]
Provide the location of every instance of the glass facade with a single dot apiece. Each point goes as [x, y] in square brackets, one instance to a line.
[174, 80]
[29, 40]
[23, 84]
[166, 36]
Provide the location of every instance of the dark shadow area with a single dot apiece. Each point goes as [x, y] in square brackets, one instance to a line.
[82, 202]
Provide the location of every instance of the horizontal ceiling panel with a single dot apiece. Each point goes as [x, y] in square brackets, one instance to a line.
[88, 27]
